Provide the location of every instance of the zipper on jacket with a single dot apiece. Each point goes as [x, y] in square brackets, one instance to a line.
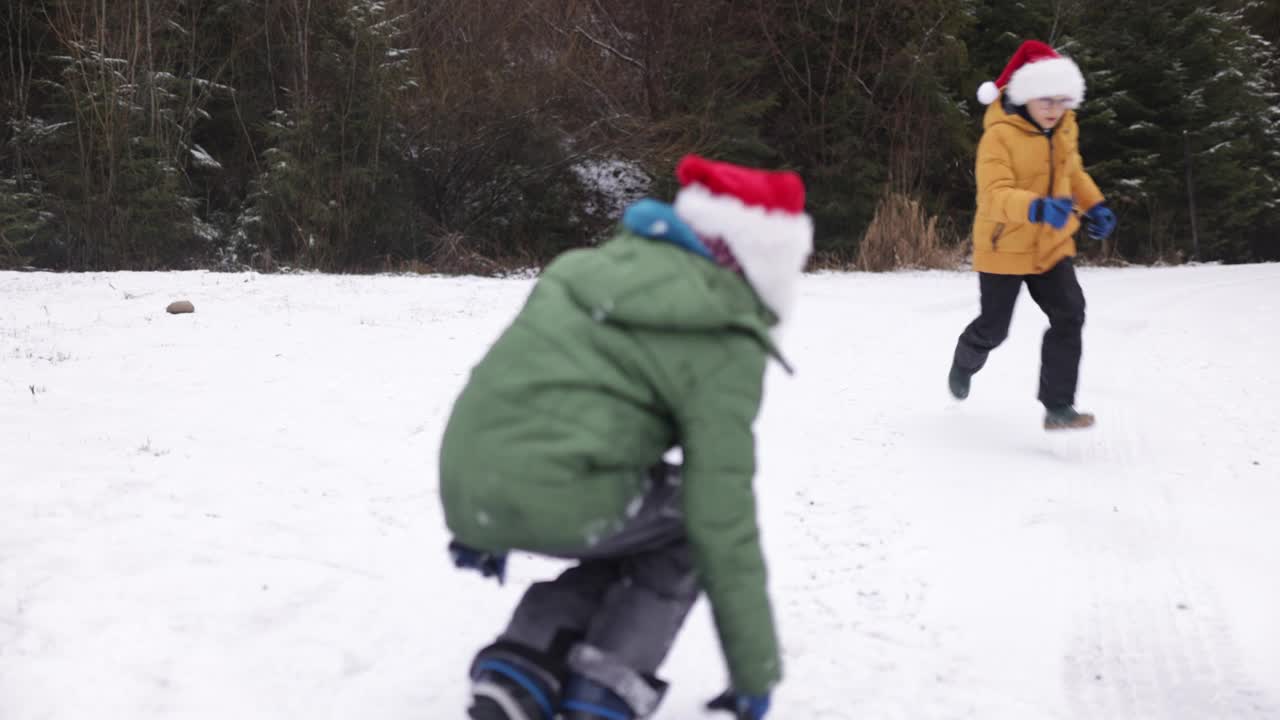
[1041, 229]
[1049, 134]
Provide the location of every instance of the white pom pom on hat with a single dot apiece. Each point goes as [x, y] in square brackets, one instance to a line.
[988, 92]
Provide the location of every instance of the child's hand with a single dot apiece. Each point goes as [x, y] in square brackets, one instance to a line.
[1052, 211]
[1101, 221]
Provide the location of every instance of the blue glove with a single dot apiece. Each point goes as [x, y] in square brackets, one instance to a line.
[743, 707]
[1101, 221]
[1052, 211]
[486, 563]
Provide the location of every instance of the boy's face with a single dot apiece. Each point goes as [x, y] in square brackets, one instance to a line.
[1047, 112]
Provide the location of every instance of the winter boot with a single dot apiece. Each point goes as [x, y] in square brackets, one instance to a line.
[588, 700]
[958, 381]
[1066, 418]
[509, 684]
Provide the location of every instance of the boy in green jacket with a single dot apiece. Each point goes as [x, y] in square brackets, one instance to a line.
[657, 339]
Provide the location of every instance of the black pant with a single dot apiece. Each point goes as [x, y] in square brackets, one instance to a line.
[1058, 294]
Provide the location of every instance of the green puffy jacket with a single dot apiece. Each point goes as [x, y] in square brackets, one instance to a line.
[621, 353]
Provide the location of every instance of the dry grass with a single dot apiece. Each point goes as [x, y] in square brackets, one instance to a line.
[451, 254]
[902, 235]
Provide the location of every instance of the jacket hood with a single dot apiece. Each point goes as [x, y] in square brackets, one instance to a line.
[658, 284]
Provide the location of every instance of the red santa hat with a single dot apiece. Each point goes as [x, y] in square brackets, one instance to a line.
[759, 215]
[1036, 71]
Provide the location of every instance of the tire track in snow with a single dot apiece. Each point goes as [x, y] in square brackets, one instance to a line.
[1152, 640]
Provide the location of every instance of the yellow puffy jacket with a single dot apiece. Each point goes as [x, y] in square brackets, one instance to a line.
[1017, 163]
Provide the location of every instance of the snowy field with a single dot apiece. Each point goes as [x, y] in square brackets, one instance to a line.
[233, 514]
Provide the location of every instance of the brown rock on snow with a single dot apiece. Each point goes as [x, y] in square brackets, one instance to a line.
[180, 306]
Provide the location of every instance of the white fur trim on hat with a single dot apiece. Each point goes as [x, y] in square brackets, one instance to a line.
[1055, 77]
[988, 92]
[771, 246]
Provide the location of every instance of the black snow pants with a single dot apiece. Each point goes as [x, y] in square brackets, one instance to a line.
[1058, 294]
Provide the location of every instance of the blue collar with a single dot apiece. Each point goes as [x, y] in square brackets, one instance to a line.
[658, 220]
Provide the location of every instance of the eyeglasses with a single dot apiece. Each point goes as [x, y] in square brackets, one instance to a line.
[1053, 102]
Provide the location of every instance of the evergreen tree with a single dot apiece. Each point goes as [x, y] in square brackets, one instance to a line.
[362, 134]
[1208, 103]
[867, 105]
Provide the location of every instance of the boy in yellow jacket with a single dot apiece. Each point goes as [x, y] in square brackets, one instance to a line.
[1031, 185]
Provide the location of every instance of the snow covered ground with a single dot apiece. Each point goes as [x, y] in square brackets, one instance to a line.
[233, 514]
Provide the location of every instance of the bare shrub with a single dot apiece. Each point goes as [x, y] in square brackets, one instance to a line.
[903, 235]
[453, 255]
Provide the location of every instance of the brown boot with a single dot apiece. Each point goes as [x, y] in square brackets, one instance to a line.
[1067, 419]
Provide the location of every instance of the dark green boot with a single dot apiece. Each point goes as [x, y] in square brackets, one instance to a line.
[1067, 418]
